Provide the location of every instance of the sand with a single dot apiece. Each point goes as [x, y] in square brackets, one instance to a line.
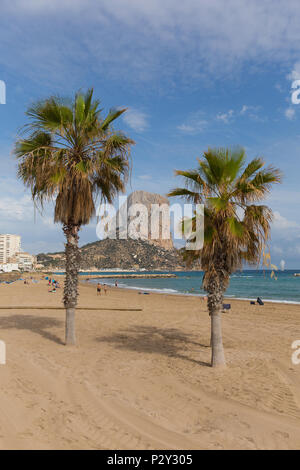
[141, 379]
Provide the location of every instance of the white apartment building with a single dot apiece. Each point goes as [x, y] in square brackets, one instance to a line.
[10, 245]
[25, 261]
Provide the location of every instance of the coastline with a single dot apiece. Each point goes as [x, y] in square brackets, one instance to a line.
[183, 294]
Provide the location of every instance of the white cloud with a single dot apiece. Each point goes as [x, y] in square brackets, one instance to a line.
[279, 87]
[15, 208]
[40, 6]
[194, 124]
[244, 109]
[137, 120]
[145, 177]
[153, 37]
[253, 113]
[282, 223]
[250, 110]
[295, 73]
[194, 128]
[186, 128]
[225, 117]
[290, 113]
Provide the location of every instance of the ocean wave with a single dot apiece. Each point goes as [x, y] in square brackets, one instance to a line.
[241, 276]
[151, 289]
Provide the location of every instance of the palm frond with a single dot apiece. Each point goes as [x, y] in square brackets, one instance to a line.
[184, 192]
[112, 116]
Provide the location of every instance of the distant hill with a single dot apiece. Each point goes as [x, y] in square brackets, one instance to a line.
[122, 254]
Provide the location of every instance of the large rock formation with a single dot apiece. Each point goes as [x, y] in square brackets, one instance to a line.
[145, 216]
[138, 238]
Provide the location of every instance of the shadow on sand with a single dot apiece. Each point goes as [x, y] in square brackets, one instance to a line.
[150, 339]
[37, 325]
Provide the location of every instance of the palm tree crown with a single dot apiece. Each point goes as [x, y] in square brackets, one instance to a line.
[72, 154]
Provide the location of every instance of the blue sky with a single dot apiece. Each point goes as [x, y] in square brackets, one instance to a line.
[193, 74]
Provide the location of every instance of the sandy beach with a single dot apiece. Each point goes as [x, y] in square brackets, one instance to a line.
[141, 379]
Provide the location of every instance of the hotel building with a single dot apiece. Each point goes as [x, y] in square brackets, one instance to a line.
[10, 245]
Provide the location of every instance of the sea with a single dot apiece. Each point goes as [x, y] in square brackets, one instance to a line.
[248, 284]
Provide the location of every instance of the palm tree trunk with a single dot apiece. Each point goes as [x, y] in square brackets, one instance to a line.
[71, 281]
[217, 349]
[215, 302]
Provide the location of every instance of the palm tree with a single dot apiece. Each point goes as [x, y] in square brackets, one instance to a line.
[236, 228]
[70, 154]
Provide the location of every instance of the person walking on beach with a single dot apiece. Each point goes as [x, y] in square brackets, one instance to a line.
[98, 288]
[116, 284]
[105, 288]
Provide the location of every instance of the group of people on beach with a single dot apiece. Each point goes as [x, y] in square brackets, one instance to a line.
[99, 288]
[29, 280]
[53, 285]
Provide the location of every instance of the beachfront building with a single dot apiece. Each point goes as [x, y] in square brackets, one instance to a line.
[25, 261]
[9, 267]
[12, 257]
[9, 246]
